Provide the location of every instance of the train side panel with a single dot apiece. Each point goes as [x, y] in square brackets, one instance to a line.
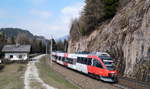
[72, 66]
[82, 68]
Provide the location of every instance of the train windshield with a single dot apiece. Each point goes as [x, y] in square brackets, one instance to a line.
[108, 61]
[110, 67]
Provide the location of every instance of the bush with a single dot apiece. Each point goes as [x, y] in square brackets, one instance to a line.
[1, 67]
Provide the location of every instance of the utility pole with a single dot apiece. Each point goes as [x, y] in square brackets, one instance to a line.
[51, 50]
[46, 51]
[46, 48]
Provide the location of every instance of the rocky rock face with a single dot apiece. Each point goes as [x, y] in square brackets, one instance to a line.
[126, 37]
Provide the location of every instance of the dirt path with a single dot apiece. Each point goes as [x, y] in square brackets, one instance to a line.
[32, 79]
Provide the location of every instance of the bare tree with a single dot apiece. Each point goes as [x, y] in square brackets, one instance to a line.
[22, 39]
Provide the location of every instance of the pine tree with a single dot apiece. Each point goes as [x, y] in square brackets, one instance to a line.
[95, 12]
[92, 15]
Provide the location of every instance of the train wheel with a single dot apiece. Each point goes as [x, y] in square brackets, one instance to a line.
[98, 77]
[91, 75]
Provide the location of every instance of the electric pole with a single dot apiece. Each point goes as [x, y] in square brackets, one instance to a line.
[51, 50]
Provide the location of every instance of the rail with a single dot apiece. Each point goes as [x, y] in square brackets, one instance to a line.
[133, 84]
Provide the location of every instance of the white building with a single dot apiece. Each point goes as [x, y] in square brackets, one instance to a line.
[16, 52]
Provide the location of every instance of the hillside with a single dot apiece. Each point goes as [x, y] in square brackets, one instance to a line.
[17, 35]
[13, 32]
[126, 36]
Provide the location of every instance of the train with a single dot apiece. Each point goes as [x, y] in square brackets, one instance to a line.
[99, 65]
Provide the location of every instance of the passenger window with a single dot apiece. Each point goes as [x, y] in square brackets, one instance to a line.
[78, 59]
[96, 63]
[11, 56]
[59, 58]
[81, 60]
[84, 60]
[74, 61]
[56, 57]
[89, 61]
[66, 60]
[63, 58]
[71, 61]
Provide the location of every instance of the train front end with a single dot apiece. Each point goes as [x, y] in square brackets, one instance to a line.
[110, 76]
[110, 73]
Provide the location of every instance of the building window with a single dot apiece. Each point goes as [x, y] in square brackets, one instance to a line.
[11, 56]
[20, 56]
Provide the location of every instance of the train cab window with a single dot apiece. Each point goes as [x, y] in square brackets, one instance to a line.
[89, 61]
[96, 63]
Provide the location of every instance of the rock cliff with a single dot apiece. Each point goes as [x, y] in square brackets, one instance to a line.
[126, 37]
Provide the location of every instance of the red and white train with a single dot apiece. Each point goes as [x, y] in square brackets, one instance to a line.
[99, 65]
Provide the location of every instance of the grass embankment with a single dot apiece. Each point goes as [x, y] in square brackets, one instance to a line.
[11, 76]
[53, 78]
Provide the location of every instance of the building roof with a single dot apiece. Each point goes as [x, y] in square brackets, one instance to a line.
[16, 48]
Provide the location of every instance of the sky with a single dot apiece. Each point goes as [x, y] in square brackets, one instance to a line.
[40, 17]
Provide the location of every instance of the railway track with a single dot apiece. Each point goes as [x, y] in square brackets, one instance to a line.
[85, 82]
[81, 80]
[133, 84]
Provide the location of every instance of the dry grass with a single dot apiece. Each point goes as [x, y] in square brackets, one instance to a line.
[11, 76]
[52, 78]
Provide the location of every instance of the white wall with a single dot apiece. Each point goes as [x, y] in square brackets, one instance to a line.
[16, 56]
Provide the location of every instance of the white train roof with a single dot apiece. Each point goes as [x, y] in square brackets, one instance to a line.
[81, 55]
[100, 54]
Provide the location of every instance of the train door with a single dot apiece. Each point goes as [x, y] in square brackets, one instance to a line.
[81, 64]
[78, 64]
[57, 60]
[98, 68]
[61, 62]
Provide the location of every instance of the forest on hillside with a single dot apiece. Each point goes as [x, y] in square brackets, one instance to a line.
[94, 14]
[38, 43]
